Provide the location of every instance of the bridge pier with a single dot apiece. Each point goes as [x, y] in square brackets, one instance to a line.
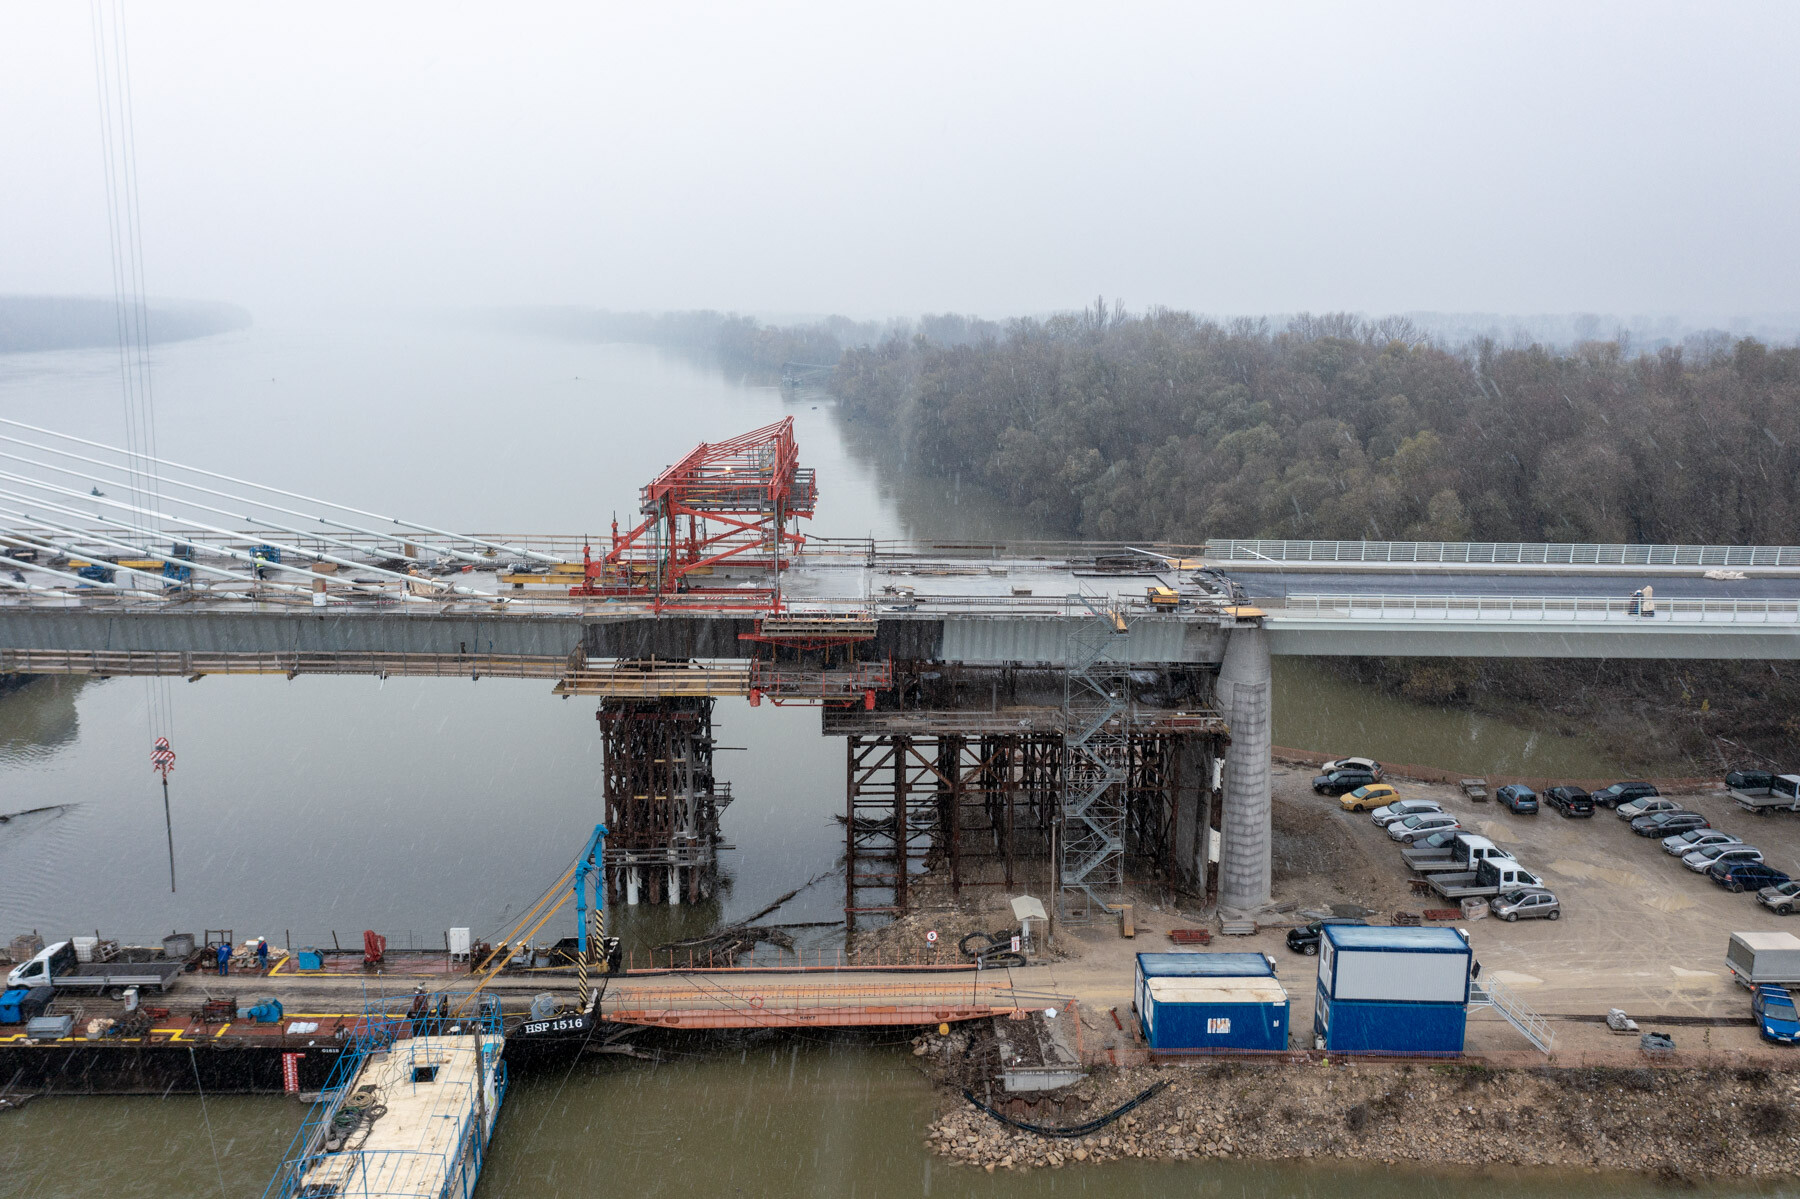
[1245, 692]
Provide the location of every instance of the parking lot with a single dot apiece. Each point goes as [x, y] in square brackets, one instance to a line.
[1639, 931]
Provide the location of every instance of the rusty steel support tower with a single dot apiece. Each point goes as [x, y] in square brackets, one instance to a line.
[975, 807]
[662, 801]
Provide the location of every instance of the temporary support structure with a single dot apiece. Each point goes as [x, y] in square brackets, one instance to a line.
[662, 802]
[974, 805]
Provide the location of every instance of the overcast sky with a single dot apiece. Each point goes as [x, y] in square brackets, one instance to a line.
[885, 159]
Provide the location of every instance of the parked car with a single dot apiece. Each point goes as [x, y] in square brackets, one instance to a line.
[1618, 793]
[1442, 839]
[1776, 1018]
[1525, 905]
[1646, 806]
[1337, 782]
[1782, 898]
[1412, 828]
[1702, 860]
[1750, 780]
[1404, 808]
[1570, 801]
[1682, 844]
[1661, 824]
[1368, 764]
[1306, 940]
[1745, 876]
[1372, 796]
[1518, 798]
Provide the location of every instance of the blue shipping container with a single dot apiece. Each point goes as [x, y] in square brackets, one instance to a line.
[1221, 1014]
[1352, 1026]
[1193, 965]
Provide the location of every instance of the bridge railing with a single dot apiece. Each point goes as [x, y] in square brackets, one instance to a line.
[1555, 608]
[1482, 553]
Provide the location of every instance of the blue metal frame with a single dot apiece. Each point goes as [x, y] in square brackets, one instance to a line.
[591, 867]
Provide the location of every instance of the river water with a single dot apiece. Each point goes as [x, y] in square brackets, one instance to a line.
[322, 806]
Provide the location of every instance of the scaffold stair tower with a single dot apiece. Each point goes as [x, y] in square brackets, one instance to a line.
[1096, 743]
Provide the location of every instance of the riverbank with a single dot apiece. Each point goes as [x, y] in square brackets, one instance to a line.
[1679, 1124]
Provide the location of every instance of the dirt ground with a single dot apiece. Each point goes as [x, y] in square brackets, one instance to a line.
[1639, 931]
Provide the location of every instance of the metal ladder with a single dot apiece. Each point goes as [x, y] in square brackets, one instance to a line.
[1497, 995]
[1096, 736]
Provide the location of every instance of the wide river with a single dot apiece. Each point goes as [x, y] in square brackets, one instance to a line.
[331, 805]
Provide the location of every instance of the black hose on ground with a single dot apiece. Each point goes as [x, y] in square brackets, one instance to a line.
[1079, 1130]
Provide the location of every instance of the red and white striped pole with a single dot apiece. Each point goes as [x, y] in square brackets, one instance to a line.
[162, 760]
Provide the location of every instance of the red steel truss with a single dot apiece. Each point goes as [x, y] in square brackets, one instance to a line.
[731, 504]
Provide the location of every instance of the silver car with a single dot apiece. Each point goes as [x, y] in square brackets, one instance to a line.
[1525, 905]
[1649, 805]
[1682, 844]
[1402, 808]
[1411, 828]
[1702, 860]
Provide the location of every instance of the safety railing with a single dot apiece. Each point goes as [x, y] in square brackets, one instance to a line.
[1480, 553]
[1561, 608]
[1493, 993]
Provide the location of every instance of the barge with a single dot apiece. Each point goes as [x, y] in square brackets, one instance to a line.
[407, 1112]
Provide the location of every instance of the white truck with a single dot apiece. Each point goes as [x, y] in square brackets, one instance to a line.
[1462, 854]
[58, 966]
[1757, 958]
[1781, 795]
[1490, 877]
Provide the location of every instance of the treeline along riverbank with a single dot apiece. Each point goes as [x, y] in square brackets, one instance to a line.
[30, 323]
[1169, 426]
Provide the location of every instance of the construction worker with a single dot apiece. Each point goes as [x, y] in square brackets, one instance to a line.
[262, 955]
[224, 954]
[421, 1009]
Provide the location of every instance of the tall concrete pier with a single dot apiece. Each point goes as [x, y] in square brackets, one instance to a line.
[1245, 693]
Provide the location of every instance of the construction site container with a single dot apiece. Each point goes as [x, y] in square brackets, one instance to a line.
[1391, 990]
[1393, 965]
[1761, 957]
[1195, 965]
[1370, 1026]
[1223, 1013]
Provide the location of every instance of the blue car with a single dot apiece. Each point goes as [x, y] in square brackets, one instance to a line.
[1518, 798]
[1776, 1018]
[1745, 876]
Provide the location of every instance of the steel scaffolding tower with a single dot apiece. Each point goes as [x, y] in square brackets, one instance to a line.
[662, 802]
[1096, 748]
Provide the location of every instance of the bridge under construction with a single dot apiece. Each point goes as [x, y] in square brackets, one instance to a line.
[1103, 708]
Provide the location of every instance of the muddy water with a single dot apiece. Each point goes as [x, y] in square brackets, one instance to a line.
[322, 806]
[1317, 710]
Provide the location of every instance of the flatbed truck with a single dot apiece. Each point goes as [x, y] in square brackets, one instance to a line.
[1490, 877]
[1460, 855]
[58, 966]
[1781, 795]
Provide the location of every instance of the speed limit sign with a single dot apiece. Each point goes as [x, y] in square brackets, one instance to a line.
[931, 937]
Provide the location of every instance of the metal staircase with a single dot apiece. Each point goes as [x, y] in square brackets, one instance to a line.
[1497, 995]
[1096, 735]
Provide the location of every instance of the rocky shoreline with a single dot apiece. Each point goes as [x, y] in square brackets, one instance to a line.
[1677, 1123]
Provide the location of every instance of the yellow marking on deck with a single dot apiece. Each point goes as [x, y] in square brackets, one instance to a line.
[221, 1032]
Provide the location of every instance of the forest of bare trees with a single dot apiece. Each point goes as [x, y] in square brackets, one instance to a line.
[1168, 426]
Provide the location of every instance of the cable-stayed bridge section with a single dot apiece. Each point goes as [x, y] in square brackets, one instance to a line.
[1101, 705]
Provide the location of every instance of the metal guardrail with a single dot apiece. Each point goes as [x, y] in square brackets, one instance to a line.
[1539, 608]
[1481, 553]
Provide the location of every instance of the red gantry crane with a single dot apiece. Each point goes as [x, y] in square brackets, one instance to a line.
[730, 506]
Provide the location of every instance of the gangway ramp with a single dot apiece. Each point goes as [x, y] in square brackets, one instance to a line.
[850, 1000]
[1503, 999]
